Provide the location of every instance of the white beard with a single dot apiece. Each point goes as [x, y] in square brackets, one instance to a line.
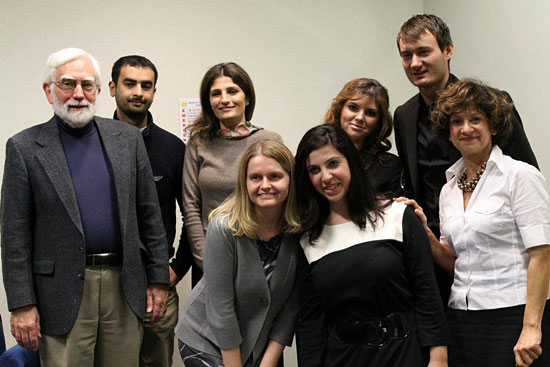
[74, 119]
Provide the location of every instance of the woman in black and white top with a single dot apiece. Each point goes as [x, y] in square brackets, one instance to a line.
[370, 298]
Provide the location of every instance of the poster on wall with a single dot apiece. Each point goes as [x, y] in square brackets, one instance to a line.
[189, 111]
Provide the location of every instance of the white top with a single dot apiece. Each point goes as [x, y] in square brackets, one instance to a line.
[339, 237]
[508, 213]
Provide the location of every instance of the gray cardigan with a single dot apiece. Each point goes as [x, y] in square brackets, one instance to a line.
[233, 305]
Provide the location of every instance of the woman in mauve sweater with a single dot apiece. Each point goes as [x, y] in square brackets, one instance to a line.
[219, 137]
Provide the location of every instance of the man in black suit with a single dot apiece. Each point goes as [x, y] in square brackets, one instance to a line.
[426, 48]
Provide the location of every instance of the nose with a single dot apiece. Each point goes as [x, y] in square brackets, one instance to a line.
[265, 184]
[225, 98]
[360, 115]
[78, 93]
[326, 175]
[138, 91]
[416, 62]
[466, 127]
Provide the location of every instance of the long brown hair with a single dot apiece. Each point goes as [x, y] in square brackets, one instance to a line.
[207, 123]
[378, 140]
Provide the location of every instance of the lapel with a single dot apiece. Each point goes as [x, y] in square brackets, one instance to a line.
[285, 261]
[254, 265]
[52, 158]
[118, 154]
[411, 141]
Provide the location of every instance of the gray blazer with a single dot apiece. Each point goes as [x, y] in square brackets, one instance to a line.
[43, 248]
[233, 305]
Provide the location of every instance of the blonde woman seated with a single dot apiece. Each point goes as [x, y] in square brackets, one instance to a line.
[244, 309]
[495, 231]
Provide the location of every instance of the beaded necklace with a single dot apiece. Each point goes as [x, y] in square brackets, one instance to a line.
[470, 185]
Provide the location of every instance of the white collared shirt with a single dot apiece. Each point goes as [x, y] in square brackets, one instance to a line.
[508, 213]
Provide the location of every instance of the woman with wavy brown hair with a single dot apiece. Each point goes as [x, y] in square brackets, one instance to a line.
[361, 109]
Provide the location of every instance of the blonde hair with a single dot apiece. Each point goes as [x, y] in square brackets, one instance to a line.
[239, 208]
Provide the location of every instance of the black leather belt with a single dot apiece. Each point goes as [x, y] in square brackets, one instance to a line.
[107, 258]
[374, 331]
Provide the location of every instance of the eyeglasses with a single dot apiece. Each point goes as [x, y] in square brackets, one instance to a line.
[69, 85]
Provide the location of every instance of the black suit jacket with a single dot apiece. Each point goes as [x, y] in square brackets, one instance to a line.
[406, 140]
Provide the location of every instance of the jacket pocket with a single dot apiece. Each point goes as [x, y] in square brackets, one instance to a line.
[43, 266]
[141, 246]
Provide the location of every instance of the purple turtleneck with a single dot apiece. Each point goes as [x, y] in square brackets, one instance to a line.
[94, 187]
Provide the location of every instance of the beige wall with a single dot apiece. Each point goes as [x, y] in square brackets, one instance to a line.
[298, 53]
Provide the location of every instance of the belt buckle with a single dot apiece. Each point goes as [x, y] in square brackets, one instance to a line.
[370, 332]
[380, 329]
[100, 259]
[399, 325]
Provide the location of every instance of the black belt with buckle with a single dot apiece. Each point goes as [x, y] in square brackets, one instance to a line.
[107, 258]
[374, 331]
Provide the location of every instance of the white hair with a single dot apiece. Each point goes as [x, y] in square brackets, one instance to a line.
[65, 55]
[74, 119]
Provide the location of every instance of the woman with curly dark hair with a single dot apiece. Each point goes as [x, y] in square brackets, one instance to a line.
[361, 109]
[495, 235]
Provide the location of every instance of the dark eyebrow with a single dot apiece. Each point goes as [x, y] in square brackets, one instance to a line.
[332, 158]
[424, 48]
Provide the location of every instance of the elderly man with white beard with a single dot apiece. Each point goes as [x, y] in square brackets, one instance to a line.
[84, 252]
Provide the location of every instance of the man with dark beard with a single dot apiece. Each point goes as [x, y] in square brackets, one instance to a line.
[133, 84]
[83, 247]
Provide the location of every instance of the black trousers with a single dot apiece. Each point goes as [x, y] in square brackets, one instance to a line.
[487, 338]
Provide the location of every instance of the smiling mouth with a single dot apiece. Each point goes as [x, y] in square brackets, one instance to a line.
[419, 74]
[357, 127]
[329, 189]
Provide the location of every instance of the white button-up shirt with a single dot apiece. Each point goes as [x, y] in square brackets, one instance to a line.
[508, 213]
